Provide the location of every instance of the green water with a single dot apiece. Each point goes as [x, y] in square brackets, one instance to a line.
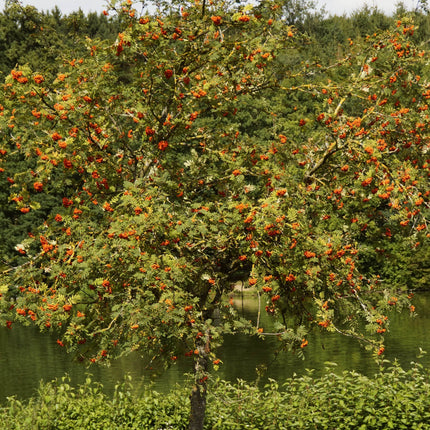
[26, 356]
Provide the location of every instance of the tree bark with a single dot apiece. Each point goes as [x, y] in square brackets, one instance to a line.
[198, 407]
[199, 391]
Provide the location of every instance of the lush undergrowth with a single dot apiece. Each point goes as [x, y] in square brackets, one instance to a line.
[394, 398]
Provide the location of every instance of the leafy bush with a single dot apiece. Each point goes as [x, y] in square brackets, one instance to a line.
[394, 398]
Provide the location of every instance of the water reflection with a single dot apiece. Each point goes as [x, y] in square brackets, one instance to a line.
[243, 354]
[26, 356]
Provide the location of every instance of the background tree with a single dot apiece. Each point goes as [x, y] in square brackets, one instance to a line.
[41, 40]
[190, 154]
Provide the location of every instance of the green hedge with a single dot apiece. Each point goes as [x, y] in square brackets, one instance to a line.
[393, 399]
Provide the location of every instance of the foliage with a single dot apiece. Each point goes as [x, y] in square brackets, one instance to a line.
[42, 40]
[59, 405]
[395, 398]
[28, 36]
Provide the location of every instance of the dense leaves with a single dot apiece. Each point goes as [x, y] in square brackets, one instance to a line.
[41, 38]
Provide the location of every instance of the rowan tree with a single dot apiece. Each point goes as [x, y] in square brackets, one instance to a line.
[191, 154]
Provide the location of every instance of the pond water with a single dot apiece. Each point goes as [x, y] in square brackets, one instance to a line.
[27, 356]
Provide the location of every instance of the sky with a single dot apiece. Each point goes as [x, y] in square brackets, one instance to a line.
[338, 7]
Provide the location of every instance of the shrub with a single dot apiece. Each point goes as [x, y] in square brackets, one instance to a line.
[394, 398]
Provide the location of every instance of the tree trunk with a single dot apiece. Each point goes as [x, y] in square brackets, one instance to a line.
[199, 391]
[198, 407]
